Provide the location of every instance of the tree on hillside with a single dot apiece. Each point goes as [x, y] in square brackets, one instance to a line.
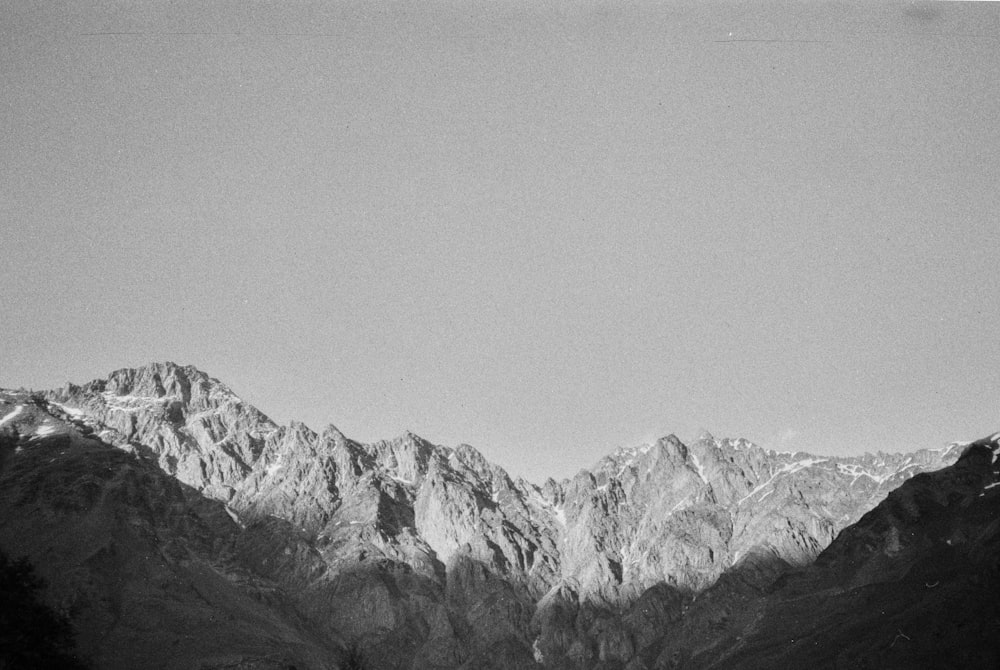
[32, 635]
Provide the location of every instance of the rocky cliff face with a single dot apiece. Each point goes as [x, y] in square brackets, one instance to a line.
[419, 555]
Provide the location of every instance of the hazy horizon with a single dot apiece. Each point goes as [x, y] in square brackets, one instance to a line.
[544, 230]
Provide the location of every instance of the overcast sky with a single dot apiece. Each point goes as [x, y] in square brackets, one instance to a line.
[547, 230]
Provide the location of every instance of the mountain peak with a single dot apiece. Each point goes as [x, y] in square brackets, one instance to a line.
[333, 433]
[168, 379]
[705, 436]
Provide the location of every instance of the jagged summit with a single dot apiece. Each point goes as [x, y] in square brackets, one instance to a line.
[159, 379]
[153, 384]
[704, 436]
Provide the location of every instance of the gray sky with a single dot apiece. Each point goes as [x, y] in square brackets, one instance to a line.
[547, 230]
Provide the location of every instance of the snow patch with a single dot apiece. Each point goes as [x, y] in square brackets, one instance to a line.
[111, 395]
[759, 488]
[126, 410]
[10, 417]
[626, 457]
[943, 450]
[880, 479]
[560, 514]
[699, 467]
[788, 468]
[856, 471]
[45, 429]
[72, 411]
[233, 516]
[536, 651]
[849, 469]
[132, 403]
[795, 466]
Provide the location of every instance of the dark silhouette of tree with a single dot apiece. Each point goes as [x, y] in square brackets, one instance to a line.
[32, 635]
[354, 660]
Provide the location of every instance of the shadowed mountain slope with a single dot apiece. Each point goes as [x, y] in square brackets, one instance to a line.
[913, 584]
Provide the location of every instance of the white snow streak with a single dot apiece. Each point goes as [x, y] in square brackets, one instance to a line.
[759, 488]
[560, 514]
[72, 411]
[788, 468]
[10, 417]
[233, 515]
[699, 467]
[803, 464]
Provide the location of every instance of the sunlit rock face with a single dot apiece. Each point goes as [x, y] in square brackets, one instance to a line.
[410, 554]
[682, 514]
[195, 427]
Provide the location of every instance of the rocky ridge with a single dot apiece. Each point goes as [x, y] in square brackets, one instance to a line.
[912, 584]
[419, 555]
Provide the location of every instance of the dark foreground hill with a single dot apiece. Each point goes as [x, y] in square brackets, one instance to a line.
[178, 527]
[914, 584]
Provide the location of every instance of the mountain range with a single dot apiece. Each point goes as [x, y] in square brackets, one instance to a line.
[177, 526]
